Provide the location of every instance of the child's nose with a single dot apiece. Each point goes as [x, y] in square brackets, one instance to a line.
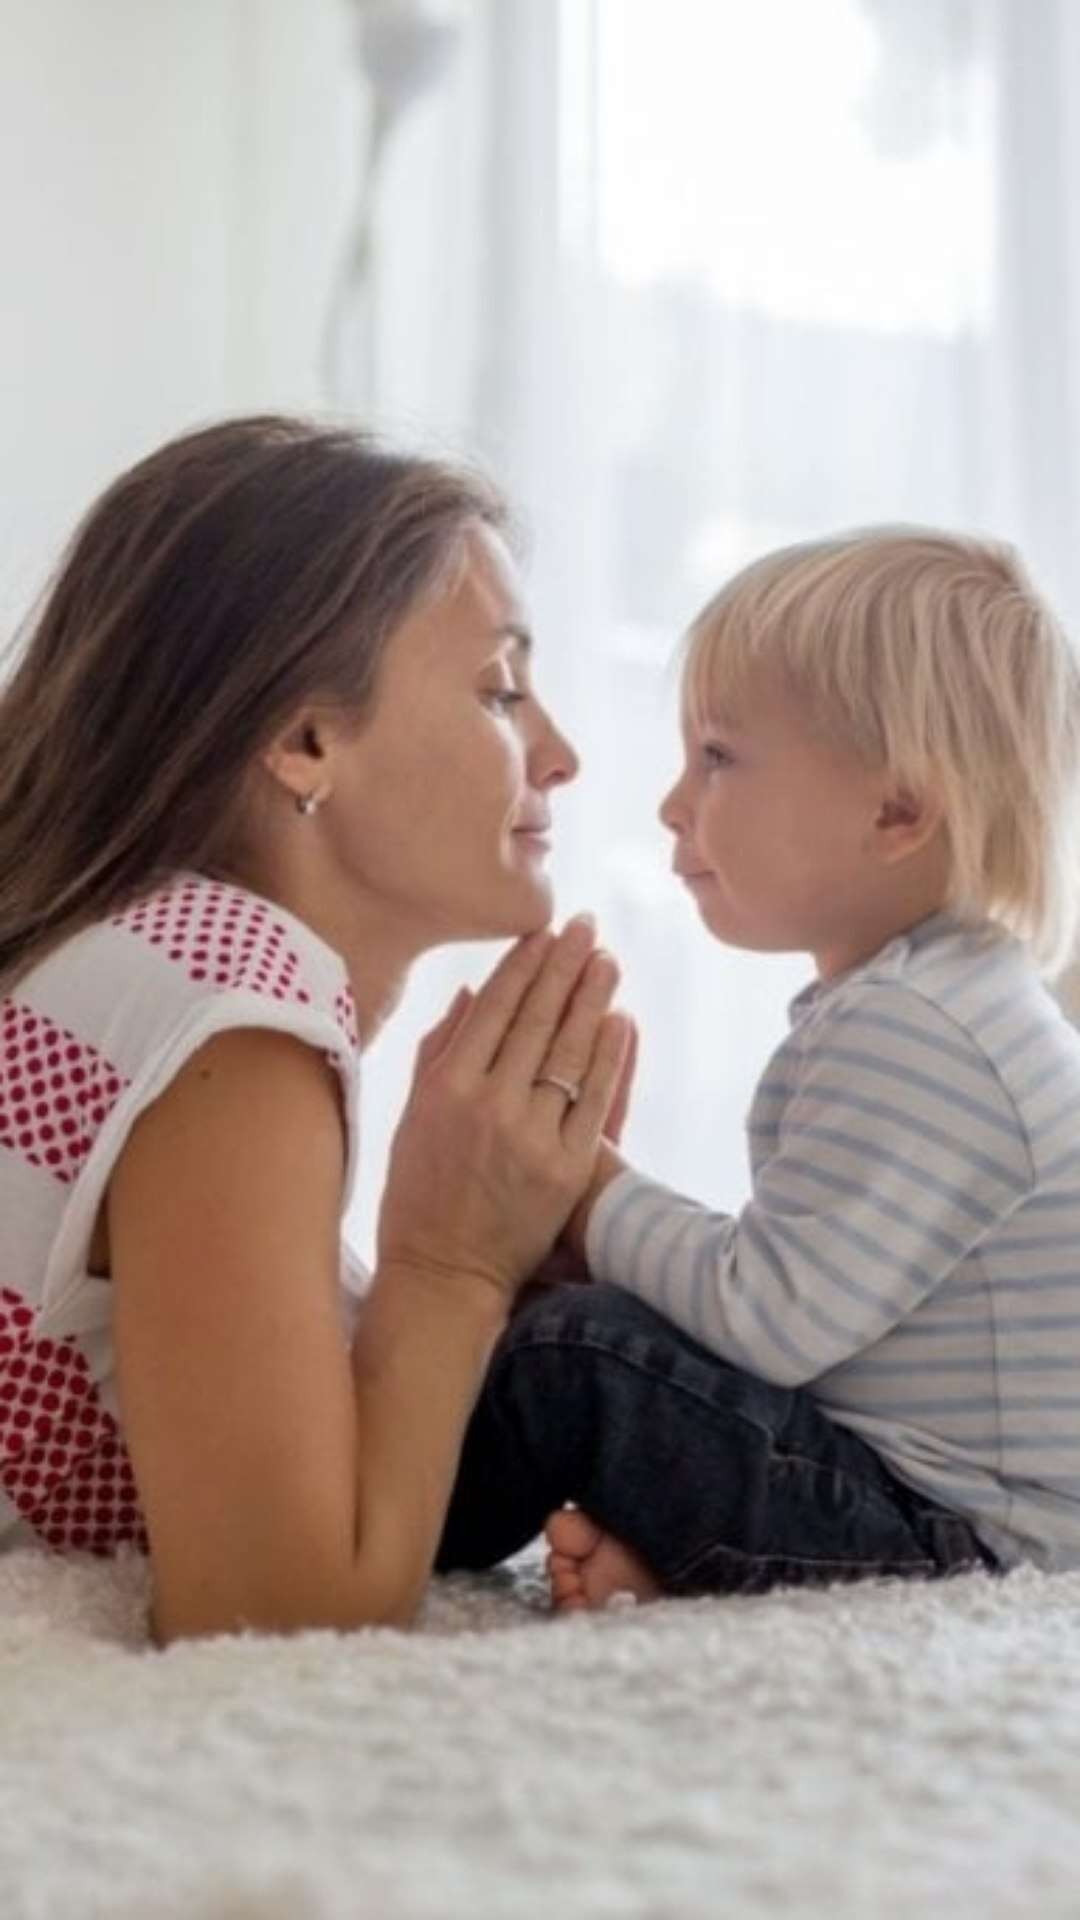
[672, 808]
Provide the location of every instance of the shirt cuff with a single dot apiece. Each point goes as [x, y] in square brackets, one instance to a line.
[600, 1241]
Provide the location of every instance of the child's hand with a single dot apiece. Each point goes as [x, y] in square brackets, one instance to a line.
[607, 1166]
[562, 1264]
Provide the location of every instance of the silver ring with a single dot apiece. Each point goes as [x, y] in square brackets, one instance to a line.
[571, 1088]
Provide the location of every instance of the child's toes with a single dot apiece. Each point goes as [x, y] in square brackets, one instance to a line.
[563, 1572]
[567, 1592]
[562, 1563]
[572, 1532]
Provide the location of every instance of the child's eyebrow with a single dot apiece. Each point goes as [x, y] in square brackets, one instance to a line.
[723, 719]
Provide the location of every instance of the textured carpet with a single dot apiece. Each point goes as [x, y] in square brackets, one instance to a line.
[880, 1751]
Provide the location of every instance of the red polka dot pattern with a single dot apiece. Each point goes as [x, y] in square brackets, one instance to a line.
[62, 1462]
[221, 935]
[345, 1013]
[55, 1091]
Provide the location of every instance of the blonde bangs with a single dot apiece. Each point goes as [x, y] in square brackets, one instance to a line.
[733, 637]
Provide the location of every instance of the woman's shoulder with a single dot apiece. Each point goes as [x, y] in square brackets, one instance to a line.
[181, 949]
[103, 1024]
[219, 935]
[108, 1021]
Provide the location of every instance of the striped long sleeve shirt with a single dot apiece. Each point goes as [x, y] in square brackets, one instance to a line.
[911, 1248]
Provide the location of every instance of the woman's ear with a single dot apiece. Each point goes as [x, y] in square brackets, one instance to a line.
[906, 823]
[298, 758]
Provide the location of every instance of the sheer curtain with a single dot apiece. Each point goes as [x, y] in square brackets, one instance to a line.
[698, 279]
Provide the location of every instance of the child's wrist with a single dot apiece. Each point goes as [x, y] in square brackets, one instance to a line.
[609, 1164]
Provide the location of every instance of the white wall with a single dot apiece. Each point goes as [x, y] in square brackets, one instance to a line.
[175, 180]
[175, 176]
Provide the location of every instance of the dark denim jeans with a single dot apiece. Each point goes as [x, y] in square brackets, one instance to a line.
[720, 1482]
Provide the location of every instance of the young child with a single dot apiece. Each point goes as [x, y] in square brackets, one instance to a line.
[875, 1367]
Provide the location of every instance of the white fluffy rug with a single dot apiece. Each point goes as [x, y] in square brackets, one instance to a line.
[873, 1752]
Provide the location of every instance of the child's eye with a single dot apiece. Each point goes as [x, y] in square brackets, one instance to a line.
[715, 756]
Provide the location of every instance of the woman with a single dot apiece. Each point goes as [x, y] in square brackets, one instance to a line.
[274, 736]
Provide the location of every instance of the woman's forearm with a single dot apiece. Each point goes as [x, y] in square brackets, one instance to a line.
[419, 1356]
[484, 1166]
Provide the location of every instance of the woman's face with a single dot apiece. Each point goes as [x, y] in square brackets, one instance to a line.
[441, 804]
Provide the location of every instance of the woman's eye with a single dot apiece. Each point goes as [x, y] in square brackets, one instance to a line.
[503, 698]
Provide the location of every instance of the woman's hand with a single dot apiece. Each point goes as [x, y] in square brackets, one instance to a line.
[566, 1261]
[620, 1104]
[489, 1158]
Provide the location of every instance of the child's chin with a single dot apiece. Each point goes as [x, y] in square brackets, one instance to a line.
[727, 928]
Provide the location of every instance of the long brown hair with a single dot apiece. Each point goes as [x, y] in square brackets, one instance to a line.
[217, 586]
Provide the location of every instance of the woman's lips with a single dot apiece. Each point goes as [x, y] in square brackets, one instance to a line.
[536, 839]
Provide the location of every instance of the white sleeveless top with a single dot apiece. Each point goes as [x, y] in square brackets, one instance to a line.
[88, 1039]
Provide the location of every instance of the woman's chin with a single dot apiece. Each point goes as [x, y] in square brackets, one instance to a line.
[531, 915]
[528, 905]
[521, 909]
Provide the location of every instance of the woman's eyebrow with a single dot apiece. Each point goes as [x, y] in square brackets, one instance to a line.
[513, 630]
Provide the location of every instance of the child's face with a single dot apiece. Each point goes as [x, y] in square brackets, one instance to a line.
[778, 832]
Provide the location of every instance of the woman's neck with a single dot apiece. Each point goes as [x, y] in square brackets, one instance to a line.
[377, 949]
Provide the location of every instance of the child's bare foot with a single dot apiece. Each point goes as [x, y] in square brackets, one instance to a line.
[587, 1567]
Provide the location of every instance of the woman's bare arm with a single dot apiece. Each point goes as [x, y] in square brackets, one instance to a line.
[285, 1484]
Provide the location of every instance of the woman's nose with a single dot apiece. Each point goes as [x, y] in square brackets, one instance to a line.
[552, 761]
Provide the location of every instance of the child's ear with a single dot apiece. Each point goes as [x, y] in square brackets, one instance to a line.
[906, 823]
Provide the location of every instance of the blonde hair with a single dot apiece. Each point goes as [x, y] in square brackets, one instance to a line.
[932, 656]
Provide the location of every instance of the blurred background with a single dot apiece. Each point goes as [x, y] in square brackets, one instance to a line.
[693, 277]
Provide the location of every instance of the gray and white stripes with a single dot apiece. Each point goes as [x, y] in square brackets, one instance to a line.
[911, 1249]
